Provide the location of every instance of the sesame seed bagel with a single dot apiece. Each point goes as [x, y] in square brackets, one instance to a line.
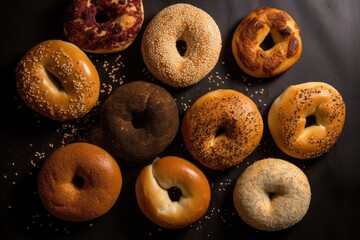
[222, 128]
[289, 114]
[251, 33]
[103, 26]
[79, 182]
[57, 79]
[181, 22]
[272, 194]
[157, 179]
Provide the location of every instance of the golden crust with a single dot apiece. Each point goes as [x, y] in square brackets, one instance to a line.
[251, 32]
[288, 113]
[79, 182]
[56, 79]
[153, 199]
[222, 128]
[272, 194]
[203, 45]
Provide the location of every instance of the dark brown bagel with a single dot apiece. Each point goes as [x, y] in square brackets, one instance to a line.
[139, 120]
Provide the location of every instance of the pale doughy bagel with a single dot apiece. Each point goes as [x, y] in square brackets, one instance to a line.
[186, 23]
[252, 31]
[288, 114]
[154, 182]
[56, 79]
[79, 182]
[222, 128]
[103, 26]
[272, 194]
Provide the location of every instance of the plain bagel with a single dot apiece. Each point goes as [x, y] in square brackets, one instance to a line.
[154, 182]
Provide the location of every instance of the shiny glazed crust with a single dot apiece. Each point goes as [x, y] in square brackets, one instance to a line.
[56, 79]
[153, 199]
[288, 113]
[203, 45]
[139, 120]
[79, 182]
[251, 32]
[222, 128]
[272, 194]
[121, 23]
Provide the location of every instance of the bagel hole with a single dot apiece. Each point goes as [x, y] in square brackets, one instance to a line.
[271, 195]
[54, 80]
[267, 43]
[181, 47]
[220, 131]
[78, 181]
[101, 17]
[310, 121]
[174, 194]
[139, 119]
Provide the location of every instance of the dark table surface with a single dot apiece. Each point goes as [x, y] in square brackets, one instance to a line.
[330, 35]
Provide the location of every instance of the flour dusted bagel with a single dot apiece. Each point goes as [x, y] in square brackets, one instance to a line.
[181, 22]
[56, 79]
[252, 31]
[139, 120]
[290, 123]
[157, 179]
[222, 128]
[79, 182]
[272, 194]
[103, 26]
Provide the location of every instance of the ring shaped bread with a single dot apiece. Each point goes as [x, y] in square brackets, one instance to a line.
[79, 182]
[56, 79]
[103, 26]
[154, 182]
[139, 120]
[272, 194]
[181, 22]
[222, 128]
[291, 126]
[252, 31]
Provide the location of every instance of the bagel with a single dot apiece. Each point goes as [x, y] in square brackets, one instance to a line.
[152, 192]
[139, 120]
[79, 182]
[103, 26]
[272, 195]
[289, 114]
[222, 128]
[251, 33]
[181, 23]
[57, 79]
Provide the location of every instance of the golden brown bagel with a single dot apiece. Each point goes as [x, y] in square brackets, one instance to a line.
[181, 22]
[272, 194]
[222, 128]
[152, 195]
[103, 26]
[252, 31]
[288, 114]
[79, 182]
[56, 79]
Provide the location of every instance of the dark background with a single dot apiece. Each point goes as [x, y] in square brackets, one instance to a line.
[330, 35]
